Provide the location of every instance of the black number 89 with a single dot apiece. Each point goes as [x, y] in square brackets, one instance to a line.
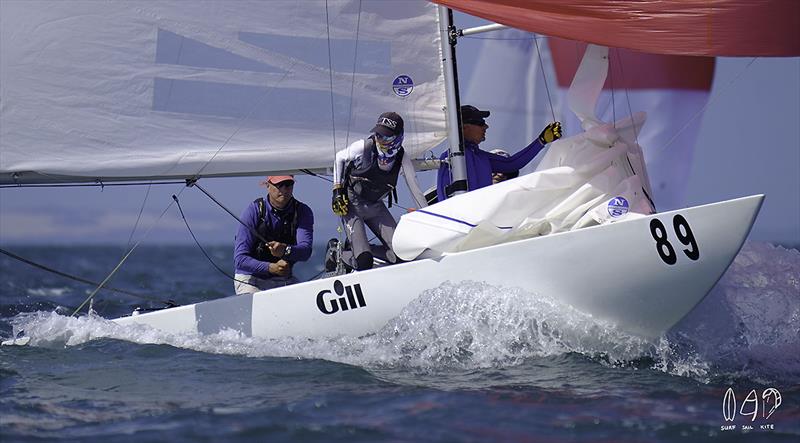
[685, 236]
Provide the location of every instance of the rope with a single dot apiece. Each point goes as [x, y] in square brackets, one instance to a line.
[138, 217]
[76, 278]
[314, 174]
[186, 222]
[124, 258]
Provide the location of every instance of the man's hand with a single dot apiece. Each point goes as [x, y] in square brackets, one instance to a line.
[339, 202]
[281, 268]
[551, 133]
[277, 249]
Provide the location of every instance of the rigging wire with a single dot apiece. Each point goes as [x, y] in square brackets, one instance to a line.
[138, 217]
[353, 81]
[330, 78]
[708, 103]
[627, 96]
[330, 75]
[611, 86]
[544, 77]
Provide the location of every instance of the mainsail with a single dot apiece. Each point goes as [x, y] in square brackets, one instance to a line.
[119, 90]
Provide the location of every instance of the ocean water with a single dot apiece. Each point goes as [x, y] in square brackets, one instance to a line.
[458, 364]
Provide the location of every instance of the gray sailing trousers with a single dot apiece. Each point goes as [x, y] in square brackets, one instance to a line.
[376, 216]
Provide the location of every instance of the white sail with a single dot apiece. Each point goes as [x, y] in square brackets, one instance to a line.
[595, 177]
[128, 89]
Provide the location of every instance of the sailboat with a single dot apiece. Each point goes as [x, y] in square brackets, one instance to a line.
[115, 92]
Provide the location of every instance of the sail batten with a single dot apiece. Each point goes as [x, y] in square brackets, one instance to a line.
[124, 90]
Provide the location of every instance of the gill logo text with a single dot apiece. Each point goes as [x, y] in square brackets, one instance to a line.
[345, 298]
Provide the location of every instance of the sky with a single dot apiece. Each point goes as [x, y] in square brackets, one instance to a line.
[749, 143]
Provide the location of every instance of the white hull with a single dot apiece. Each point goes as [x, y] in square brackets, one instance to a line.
[613, 272]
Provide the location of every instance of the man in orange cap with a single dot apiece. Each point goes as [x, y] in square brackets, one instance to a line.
[276, 233]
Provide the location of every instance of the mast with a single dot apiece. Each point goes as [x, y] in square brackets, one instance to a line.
[455, 138]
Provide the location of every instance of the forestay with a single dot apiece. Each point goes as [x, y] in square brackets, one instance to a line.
[595, 177]
[124, 90]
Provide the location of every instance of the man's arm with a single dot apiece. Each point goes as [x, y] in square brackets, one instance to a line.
[305, 235]
[410, 174]
[246, 242]
[516, 161]
[550, 133]
[343, 157]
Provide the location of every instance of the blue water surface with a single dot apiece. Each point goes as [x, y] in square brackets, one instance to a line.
[459, 364]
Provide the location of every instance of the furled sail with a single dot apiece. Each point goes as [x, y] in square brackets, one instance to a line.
[687, 27]
[129, 90]
[595, 177]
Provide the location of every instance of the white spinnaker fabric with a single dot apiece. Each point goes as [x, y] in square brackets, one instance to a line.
[669, 140]
[149, 89]
[581, 181]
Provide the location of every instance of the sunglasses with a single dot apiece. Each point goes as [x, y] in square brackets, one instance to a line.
[480, 122]
[384, 139]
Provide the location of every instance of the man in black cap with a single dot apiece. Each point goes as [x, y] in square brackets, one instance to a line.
[481, 164]
[364, 174]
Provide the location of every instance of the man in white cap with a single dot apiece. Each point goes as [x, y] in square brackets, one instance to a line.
[276, 233]
[364, 174]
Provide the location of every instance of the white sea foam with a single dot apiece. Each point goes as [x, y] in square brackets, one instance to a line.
[48, 292]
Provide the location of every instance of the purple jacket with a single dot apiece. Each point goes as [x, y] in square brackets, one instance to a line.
[244, 262]
[481, 165]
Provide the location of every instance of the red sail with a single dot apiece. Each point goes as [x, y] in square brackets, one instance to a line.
[686, 27]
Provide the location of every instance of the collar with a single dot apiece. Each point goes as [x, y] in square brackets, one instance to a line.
[279, 212]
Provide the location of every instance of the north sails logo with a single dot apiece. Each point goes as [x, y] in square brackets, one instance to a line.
[403, 85]
[347, 297]
[618, 206]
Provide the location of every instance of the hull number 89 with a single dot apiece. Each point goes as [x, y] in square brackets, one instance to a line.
[684, 233]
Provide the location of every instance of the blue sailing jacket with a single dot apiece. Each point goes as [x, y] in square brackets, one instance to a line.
[481, 165]
[245, 263]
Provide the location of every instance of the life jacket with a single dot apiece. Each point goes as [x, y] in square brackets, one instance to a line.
[367, 180]
[286, 233]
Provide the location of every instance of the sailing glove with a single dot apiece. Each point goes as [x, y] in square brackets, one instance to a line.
[339, 202]
[551, 133]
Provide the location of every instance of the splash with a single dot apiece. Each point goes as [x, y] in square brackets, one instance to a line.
[747, 326]
[465, 325]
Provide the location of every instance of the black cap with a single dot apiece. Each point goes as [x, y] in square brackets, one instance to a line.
[389, 124]
[472, 115]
